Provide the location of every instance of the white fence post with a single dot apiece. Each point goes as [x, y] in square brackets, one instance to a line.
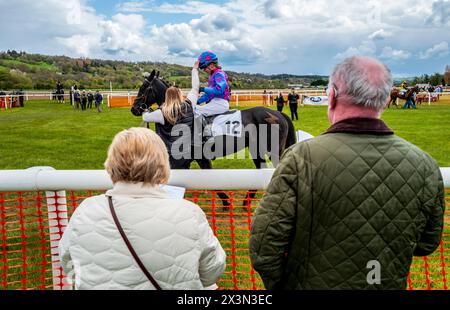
[57, 221]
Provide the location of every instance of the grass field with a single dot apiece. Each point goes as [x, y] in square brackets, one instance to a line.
[48, 134]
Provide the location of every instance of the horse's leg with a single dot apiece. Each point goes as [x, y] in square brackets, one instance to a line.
[251, 194]
[260, 162]
[207, 164]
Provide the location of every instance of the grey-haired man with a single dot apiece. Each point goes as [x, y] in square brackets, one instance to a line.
[350, 208]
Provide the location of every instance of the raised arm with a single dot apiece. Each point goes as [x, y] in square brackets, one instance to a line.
[193, 94]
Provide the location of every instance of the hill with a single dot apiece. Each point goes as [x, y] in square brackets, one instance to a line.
[34, 71]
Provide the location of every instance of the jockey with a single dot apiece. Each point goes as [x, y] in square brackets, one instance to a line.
[217, 94]
[404, 85]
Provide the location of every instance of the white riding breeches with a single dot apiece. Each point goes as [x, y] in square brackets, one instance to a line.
[215, 106]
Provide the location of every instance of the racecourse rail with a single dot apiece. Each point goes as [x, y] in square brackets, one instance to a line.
[36, 205]
[126, 98]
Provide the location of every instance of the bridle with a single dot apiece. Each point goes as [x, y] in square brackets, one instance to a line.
[142, 107]
[150, 89]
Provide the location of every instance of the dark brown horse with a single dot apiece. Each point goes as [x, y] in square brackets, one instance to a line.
[395, 94]
[153, 91]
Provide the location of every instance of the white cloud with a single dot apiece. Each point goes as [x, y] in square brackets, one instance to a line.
[277, 35]
[367, 48]
[391, 54]
[189, 7]
[438, 51]
[135, 6]
[211, 32]
[123, 33]
[440, 15]
[380, 35]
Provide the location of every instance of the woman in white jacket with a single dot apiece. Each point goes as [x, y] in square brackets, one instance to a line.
[171, 237]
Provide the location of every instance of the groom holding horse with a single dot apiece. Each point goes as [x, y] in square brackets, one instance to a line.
[407, 95]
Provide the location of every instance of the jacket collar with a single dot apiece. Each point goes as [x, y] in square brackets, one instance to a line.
[371, 126]
[137, 190]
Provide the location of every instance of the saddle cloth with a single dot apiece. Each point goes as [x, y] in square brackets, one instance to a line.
[226, 124]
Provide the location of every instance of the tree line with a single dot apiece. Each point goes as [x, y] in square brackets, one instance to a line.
[21, 70]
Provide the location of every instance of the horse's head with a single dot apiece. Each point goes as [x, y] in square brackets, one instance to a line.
[412, 90]
[152, 90]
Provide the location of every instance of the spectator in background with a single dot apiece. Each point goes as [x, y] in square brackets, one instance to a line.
[77, 98]
[293, 103]
[270, 98]
[98, 100]
[280, 102]
[21, 97]
[71, 94]
[2, 99]
[264, 98]
[90, 99]
[83, 100]
[333, 216]
[171, 237]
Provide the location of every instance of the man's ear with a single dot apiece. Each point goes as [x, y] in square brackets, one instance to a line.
[332, 99]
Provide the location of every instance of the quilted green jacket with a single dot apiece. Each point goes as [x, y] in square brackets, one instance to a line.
[341, 200]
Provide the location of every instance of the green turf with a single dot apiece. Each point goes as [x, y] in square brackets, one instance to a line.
[12, 63]
[45, 133]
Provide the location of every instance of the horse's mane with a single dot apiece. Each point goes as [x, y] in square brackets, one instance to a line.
[166, 83]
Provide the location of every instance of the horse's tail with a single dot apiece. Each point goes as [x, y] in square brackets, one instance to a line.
[291, 136]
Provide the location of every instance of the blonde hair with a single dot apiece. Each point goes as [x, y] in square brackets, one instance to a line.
[172, 107]
[138, 155]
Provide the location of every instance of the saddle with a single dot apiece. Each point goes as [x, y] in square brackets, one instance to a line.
[225, 124]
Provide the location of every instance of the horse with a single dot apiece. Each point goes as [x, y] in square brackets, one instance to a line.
[421, 97]
[153, 91]
[395, 94]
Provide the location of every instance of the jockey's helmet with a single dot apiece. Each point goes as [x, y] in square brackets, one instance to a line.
[206, 58]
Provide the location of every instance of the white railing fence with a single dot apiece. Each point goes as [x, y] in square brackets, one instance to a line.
[49, 179]
[56, 182]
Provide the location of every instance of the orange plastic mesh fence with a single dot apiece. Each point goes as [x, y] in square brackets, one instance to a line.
[31, 224]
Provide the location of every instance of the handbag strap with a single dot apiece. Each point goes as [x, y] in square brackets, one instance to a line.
[130, 247]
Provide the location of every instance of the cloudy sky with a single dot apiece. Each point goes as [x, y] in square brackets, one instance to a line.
[289, 36]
